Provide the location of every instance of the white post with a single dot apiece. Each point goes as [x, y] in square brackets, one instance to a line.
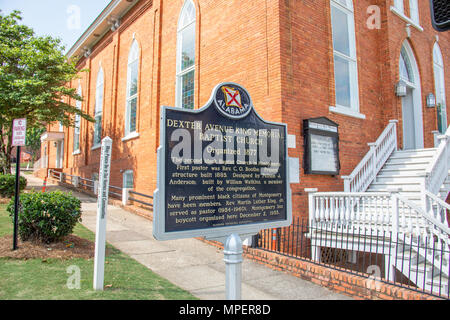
[394, 238]
[436, 133]
[394, 122]
[76, 181]
[125, 196]
[102, 203]
[95, 187]
[347, 180]
[233, 267]
[373, 150]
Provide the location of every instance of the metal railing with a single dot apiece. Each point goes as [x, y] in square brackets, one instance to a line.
[126, 194]
[142, 195]
[363, 251]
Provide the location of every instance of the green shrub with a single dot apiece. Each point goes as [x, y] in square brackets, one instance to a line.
[47, 217]
[8, 184]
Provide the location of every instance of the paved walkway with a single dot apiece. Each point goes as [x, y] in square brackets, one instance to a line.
[189, 263]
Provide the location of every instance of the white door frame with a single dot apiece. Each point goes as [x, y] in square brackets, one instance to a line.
[417, 96]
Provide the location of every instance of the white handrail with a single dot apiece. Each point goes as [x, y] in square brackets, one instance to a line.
[436, 207]
[437, 170]
[366, 171]
[381, 211]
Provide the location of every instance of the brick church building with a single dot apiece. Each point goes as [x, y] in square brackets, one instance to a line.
[357, 63]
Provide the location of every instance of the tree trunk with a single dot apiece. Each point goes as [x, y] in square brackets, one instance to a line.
[5, 151]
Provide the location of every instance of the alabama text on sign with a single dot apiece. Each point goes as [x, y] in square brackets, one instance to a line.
[222, 168]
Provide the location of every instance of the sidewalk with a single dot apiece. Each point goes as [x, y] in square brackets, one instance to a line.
[189, 263]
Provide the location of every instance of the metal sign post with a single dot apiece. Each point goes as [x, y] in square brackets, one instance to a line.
[232, 254]
[19, 130]
[223, 174]
[102, 204]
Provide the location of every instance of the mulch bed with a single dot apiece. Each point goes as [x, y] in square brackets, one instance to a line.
[70, 247]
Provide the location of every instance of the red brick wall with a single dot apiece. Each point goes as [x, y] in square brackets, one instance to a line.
[280, 51]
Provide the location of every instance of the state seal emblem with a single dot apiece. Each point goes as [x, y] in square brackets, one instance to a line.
[232, 100]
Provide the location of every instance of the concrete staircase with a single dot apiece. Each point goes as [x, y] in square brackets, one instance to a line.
[402, 173]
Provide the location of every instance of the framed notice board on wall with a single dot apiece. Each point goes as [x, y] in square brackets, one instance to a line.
[321, 142]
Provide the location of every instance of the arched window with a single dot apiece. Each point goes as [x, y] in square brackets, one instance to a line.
[406, 72]
[98, 108]
[186, 56]
[344, 52]
[76, 130]
[439, 85]
[132, 89]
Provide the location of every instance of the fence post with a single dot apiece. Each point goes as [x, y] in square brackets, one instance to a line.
[95, 187]
[394, 123]
[76, 181]
[125, 195]
[373, 151]
[394, 238]
[347, 180]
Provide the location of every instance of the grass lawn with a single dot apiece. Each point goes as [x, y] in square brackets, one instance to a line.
[48, 279]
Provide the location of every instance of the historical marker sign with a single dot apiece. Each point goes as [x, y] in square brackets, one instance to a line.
[221, 169]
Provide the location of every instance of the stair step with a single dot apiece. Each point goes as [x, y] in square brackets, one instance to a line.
[425, 156]
[407, 161]
[416, 151]
[403, 182]
[381, 187]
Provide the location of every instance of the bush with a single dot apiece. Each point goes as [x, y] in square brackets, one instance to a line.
[8, 184]
[47, 217]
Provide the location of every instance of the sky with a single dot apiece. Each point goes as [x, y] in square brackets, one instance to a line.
[64, 19]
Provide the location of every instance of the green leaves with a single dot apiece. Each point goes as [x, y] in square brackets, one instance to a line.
[8, 184]
[47, 217]
[34, 78]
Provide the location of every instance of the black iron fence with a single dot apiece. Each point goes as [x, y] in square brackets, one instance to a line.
[417, 263]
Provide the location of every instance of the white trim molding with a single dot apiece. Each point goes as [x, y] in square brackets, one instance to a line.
[402, 16]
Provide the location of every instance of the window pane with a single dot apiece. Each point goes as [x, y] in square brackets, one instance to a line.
[405, 67]
[188, 15]
[187, 47]
[132, 103]
[399, 5]
[414, 10]
[128, 180]
[341, 40]
[98, 129]
[99, 99]
[342, 81]
[133, 78]
[187, 90]
[76, 134]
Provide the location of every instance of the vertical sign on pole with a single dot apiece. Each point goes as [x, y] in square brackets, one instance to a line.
[19, 130]
[102, 203]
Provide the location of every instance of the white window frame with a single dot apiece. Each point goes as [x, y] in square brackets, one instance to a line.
[133, 57]
[353, 110]
[180, 73]
[77, 126]
[399, 6]
[98, 110]
[439, 82]
[414, 11]
[399, 10]
[124, 178]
